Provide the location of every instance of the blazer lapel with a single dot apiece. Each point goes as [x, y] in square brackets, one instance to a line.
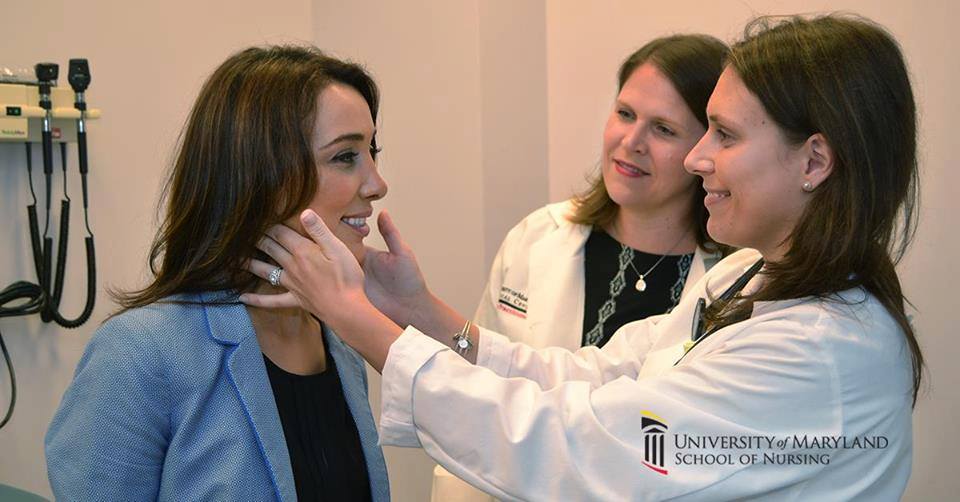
[352, 372]
[230, 325]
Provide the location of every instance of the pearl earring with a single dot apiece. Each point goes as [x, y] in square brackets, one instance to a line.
[807, 186]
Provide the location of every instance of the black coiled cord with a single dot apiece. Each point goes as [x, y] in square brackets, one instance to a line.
[51, 312]
[33, 304]
[25, 298]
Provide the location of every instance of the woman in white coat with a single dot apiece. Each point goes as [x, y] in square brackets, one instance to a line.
[571, 273]
[798, 377]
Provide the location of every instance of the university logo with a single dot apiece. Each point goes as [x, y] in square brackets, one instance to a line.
[654, 431]
[512, 302]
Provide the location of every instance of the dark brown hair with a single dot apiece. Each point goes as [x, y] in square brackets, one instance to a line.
[845, 78]
[693, 64]
[244, 162]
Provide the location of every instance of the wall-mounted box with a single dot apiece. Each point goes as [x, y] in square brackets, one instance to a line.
[21, 114]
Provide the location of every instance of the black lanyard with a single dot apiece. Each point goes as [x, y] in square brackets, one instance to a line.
[696, 333]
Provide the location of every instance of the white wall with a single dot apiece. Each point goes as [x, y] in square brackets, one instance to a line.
[147, 62]
[514, 123]
[490, 108]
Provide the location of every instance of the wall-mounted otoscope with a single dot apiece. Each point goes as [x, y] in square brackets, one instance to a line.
[46, 74]
[25, 105]
[78, 76]
[51, 284]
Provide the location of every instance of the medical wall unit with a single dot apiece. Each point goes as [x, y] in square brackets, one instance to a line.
[37, 112]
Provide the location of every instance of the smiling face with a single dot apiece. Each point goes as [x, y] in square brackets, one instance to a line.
[752, 175]
[346, 164]
[648, 134]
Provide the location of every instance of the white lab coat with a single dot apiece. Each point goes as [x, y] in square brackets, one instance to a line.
[541, 260]
[539, 269]
[548, 424]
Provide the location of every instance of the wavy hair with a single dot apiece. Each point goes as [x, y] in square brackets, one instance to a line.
[693, 64]
[842, 76]
[244, 162]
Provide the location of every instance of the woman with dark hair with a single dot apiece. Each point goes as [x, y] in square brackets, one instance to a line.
[187, 394]
[788, 373]
[570, 274]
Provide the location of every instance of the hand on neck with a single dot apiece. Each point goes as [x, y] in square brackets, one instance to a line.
[292, 338]
[273, 317]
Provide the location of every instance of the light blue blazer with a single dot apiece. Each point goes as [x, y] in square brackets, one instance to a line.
[173, 402]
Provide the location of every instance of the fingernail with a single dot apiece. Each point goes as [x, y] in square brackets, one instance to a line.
[242, 298]
[308, 217]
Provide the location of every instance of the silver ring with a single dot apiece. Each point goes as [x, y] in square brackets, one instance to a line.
[274, 276]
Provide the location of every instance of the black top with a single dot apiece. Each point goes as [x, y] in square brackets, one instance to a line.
[611, 298]
[325, 450]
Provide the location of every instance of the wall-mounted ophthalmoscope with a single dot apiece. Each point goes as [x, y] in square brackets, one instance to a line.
[78, 76]
[31, 110]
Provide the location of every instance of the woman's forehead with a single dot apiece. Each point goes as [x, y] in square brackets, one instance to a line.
[341, 110]
[648, 91]
[733, 103]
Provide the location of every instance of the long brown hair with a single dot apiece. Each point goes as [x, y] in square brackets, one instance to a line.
[693, 64]
[844, 77]
[244, 162]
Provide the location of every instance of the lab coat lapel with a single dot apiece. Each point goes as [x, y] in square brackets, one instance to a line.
[556, 286]
[697, 269]
[231, 325]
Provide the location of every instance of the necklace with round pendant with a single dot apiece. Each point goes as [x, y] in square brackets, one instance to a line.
[641, 284]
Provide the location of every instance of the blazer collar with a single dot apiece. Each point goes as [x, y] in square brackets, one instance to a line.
[230, 324]
[227, 318]
[353, 372]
